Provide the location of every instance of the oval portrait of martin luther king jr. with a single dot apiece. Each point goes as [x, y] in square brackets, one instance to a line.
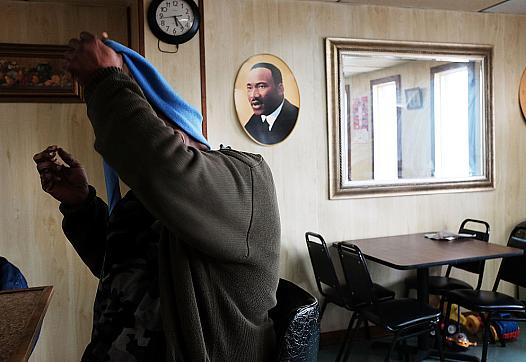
[267, 99]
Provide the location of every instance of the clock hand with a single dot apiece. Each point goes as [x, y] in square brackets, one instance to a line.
[176, 18]
[177, 23]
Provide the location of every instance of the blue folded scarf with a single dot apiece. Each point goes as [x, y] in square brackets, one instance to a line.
[162, 98]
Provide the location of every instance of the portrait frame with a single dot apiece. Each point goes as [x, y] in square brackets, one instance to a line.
[413, 98]
[34, 73]
[243, 108]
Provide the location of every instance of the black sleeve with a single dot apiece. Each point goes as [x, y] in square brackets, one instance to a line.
[85, 227]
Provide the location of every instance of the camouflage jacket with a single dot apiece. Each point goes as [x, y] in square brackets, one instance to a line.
[123, 253]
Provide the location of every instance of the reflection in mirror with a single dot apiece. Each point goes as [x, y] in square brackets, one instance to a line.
[408, 117]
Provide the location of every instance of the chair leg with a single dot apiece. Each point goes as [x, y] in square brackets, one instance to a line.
[443, 319]
[349, 340]
[322, 309]
[347, 334]
[438, 340]
[446, 319]
[443, 301]
[367, 331]
[485, 341]
[391, 348]
[458, 318]
[401, 355]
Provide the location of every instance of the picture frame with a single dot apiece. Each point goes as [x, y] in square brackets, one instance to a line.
[251, 105]
[35, 73]
[413, 98]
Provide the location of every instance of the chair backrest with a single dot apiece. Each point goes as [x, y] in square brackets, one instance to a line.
[321, 261]
[296, 322]
[476, 267]
[357, 275]
[513, 269]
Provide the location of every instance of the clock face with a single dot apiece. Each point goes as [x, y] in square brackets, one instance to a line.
[174, 17]
[173, 21]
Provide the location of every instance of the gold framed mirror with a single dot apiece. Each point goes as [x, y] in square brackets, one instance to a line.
[408, 117]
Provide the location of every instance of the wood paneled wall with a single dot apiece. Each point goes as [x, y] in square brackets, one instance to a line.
[30, 223]
[295, 32]
[30, 233]
[181, 69]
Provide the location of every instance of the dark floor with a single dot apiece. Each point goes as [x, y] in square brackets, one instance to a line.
[369, 351]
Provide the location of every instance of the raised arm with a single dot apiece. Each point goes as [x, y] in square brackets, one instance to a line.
[85, 215]
[202, 197]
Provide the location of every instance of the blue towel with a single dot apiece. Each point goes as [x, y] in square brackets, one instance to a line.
[162, 98]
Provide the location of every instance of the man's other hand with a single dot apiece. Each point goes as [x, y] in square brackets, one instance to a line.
[88, 54]
[66, 181]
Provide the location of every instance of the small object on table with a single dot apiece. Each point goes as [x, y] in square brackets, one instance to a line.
[447, 235]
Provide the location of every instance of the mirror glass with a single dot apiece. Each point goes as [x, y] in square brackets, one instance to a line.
[408, 117]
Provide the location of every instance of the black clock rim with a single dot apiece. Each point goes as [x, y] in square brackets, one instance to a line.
[173, 39]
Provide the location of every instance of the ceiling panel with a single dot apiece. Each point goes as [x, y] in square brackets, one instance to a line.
[509, 7]
[459, 5]
[487, 6]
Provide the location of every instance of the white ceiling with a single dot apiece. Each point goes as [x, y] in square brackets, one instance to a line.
[509, 7]
[357, 65]
[489, 6]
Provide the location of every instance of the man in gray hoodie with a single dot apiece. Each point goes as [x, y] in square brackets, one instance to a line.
[217, 212]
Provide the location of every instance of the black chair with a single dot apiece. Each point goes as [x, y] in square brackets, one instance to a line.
[327, 280]
[403, 318]
[490, 304]
[296, 322]
[440, 285]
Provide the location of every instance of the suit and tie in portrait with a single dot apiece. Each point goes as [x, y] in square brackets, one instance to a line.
[274, 116]
[269, 134]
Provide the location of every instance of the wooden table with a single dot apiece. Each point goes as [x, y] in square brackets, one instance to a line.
[415, 251]
[21, 314]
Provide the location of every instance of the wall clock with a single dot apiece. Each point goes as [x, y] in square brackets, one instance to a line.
[174, 21]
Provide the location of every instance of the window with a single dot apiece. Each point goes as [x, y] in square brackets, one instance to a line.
[386, 128]
[456, 135]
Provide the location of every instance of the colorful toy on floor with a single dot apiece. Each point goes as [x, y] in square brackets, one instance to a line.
[473, 324]
[500, 330]
[453, 326]
[461, 340]
[503, 330]
[506, 330]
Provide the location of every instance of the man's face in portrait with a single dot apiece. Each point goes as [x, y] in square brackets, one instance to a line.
[263, 94]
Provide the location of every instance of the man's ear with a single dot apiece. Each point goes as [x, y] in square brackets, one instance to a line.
[281, 89]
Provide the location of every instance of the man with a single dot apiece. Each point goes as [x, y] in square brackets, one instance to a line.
[274, 117]
[215, 211]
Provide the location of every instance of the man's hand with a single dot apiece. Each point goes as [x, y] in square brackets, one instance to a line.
[88, 54]
[65, 181]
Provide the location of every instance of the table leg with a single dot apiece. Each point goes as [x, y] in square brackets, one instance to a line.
[424, 349]
[422, 276]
